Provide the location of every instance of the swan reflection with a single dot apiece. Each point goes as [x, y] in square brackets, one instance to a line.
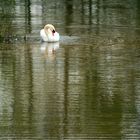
[49, 49]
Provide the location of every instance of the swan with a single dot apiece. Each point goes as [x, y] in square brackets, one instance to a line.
[49, 34]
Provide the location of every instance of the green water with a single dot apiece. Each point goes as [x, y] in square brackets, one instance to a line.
[87, 88]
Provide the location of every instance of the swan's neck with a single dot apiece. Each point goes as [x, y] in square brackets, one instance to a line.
[47, 32]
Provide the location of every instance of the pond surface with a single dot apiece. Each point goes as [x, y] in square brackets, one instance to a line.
[87, 86]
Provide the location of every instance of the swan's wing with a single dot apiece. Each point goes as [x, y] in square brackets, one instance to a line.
[43, 35]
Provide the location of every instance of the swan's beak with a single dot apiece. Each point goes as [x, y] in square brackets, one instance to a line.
[53, 32]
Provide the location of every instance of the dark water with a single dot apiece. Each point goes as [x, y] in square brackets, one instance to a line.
[88, 88]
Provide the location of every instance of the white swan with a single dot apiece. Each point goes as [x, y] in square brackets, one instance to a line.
[49, 34]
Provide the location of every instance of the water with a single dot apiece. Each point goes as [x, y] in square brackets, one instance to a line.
[84, 87]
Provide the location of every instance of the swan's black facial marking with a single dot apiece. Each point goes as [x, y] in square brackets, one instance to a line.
[53, 32]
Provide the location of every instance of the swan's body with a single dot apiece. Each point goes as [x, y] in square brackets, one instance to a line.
[49, 34]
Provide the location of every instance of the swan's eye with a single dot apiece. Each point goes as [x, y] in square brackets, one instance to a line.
[53, 31]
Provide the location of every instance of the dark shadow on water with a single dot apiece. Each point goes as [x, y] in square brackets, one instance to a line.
[28, 26]
[68, 14]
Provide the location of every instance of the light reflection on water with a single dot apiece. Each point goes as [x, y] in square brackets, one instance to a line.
[84, 87]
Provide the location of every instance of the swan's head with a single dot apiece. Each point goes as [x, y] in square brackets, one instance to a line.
[49, 29]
